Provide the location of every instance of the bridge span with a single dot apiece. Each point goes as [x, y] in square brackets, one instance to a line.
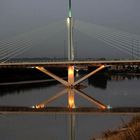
[67, 63]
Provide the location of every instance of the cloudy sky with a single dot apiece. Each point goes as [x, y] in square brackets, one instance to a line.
[20, 16]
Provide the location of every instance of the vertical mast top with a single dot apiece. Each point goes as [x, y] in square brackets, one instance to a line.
[70, 8]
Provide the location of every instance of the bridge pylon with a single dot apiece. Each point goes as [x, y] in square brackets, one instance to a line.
[70, 34]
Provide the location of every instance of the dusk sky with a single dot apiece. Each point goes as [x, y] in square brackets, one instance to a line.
[21, 16]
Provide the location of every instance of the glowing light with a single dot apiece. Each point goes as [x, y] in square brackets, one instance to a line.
[68, 20]
[71, 74]
[40, 106]
[71, 102]
[102, 107]
[77, 70]
[71, 70]
[103, 66]
[33, 106]
[109, 107]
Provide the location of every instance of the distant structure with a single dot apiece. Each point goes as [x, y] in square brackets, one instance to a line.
[70, 34]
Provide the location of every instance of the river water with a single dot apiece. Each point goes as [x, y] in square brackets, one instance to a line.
[115, 91]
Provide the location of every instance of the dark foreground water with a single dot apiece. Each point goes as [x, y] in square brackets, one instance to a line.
[116, 91]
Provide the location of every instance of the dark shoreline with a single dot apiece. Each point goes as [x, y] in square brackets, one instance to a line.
[128, 131]
[8, 75]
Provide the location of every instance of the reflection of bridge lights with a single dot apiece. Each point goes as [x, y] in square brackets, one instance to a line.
[71, 102]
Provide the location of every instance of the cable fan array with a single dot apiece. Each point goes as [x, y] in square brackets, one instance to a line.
[123, 41]
[15, 46]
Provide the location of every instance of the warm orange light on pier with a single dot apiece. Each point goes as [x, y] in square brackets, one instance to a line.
[103, 107]
[71, 71]
[39, 106]
[71, 101]
[71, 74]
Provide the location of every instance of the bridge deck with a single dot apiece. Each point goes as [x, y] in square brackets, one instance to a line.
[66, 63]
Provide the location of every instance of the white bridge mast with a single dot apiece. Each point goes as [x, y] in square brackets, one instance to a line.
[70, 34]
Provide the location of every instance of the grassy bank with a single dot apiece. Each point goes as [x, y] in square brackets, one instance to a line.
[129, 131]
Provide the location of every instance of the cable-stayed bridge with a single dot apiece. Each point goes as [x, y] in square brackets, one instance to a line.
[37, 43]
[65, 63]
[16, 47]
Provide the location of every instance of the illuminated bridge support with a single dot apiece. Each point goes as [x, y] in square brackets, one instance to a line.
[88, 75]
[42, 69]
[71, 101]
[71, 89]
[70, 83]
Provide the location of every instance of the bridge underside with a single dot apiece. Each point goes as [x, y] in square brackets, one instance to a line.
[70, 82]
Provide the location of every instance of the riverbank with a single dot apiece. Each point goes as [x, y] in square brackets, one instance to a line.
[129, 131]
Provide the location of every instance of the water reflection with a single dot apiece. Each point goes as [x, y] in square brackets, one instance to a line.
[73, 132]
[50, 100]
[121, 77]
[17, 88]
[101, 80]
[98, 81]
[71, 99]
[72, 127]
